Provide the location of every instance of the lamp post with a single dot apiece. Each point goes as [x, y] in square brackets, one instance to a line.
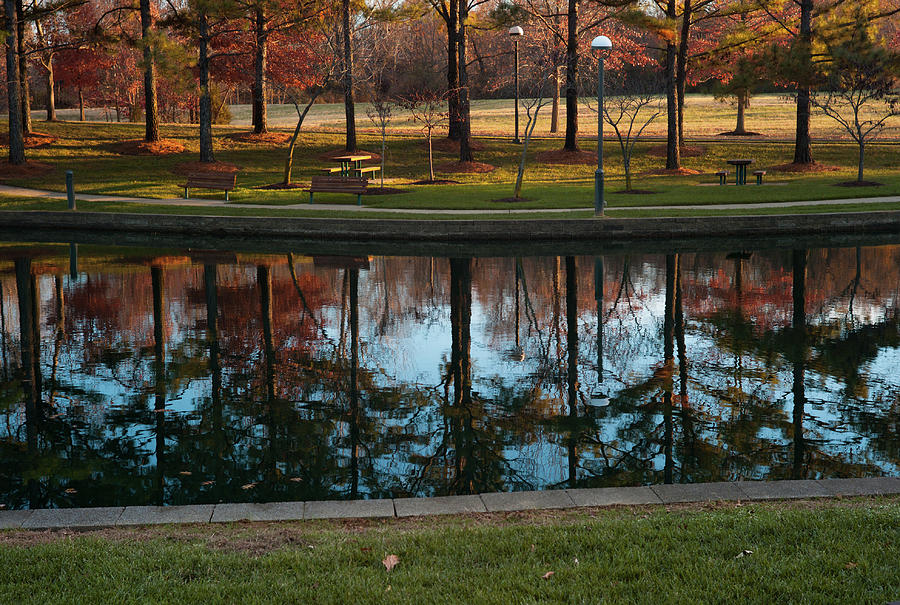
[600, 45]
[514, 33]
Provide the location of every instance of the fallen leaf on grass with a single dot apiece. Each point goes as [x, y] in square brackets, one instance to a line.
[547, 575]
[743, 553]
[248, 486]
[850, 565]
[366, 549]
[390, 562]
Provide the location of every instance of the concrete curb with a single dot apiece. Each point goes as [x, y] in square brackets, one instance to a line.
[87, 518]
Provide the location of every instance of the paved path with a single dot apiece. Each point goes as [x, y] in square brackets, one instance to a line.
[87, 197]
[448, 505]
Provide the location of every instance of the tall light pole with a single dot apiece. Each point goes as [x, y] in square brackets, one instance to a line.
[600, 45]
[514, 33]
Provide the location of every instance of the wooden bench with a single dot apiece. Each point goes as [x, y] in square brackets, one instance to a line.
[367, 170]
[759, 174]
[722, 174]
[337, 184]
[223, 181]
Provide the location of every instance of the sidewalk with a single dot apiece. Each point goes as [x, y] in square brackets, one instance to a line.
[87, 197]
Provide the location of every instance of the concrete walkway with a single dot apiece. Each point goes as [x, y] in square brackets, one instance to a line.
[83, 518]
[87, 197]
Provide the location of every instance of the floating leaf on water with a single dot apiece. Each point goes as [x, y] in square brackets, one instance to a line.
[185, 473]
[207, 483]
[390, 562]
[296, 479]
[71, 490]
[248, 486]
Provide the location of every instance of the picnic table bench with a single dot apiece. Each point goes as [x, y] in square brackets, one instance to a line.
[223, 181]
[338, 184]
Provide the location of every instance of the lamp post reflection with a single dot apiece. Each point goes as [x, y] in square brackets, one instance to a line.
[798, 389]
[572, 364]
[159, 379]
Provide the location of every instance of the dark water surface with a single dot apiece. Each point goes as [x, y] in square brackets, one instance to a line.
[181, 376]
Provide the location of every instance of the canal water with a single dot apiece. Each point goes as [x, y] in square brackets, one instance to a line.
[175, 376]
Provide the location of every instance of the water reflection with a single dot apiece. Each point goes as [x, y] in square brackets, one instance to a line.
[133, 376]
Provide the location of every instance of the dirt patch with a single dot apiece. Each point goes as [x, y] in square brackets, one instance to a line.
[449, 145]
[23, 171]
[687, 151]
[35, 140]
[329, 156]
[636, 191]
[141, 147]
[734, 133]
[569, 158]
[187, 168]
[467, 167]
[804, 168]
[673, 172]
[279, 186]
[384, 190]
[436, 182]
[859, 184]
[266, 138]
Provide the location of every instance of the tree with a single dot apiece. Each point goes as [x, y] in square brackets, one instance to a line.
[427, 108]
[861, 75]
[380, 113]
[449, 12]
[151, 108]
[16, 134]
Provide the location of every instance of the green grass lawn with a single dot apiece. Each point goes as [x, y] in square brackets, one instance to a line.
[89, 150]
[821, 552]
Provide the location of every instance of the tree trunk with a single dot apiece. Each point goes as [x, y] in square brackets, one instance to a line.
[626, 161]
[206, 141]
[16, 137]
[673, 152]
[51, 92]
[430, 159]
[802, 141]
[465, 125]
[451, 19]
[741, 107]
[349, 110]
[151, 109]
[80, 104]
[571, 78]
[260, 117]
[554, 110]
[24, 85]
[681, 67]
[862, 155]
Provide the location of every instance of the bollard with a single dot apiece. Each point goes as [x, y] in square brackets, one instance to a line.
[70, 189]
[73, 261]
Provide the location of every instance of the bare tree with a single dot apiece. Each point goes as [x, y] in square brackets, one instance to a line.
[380, 113]
[428, 108]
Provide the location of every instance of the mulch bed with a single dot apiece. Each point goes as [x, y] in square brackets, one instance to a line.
[467, 167]
[26, 170]
[801, 168]
[673, 172]
[329, 156]
[141, 147]
[35, 140]
[449, 145]
[269, 138]
[569, 158]
[734, 133]
[186, 168]
[687, 151]
[859, 184]
[436, 182]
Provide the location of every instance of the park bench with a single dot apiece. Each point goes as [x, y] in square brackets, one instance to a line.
[722, 174]
[223, 181]
[337, 184]
[759, 174]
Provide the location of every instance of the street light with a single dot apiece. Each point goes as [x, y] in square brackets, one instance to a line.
[602, 46]
[514, 33]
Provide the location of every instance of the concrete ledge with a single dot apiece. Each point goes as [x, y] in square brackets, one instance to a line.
[76, 518]
[158, 515]
[862, 486]
[611, 496]
[698, 492]
[512, 501]
[784, 490]
[349, 509]
[441, 505]
[268, 511]
[13, 519]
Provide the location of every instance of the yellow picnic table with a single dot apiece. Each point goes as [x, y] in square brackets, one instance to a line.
[352, 163]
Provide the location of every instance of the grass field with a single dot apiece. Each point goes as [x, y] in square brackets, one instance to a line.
[803, 552]
[90, 150]
[772, 115]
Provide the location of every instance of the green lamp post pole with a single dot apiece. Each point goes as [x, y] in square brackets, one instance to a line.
[601, 45]
[515, 33]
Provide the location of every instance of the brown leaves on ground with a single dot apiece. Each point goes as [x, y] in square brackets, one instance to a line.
[687, 151]
[390, 562]
[186, 168]
[673, 172]
[141, 147]
[263, 138]
[451, 146]
[466, 168]
[34, 140]
[23, 171]
[568, 158]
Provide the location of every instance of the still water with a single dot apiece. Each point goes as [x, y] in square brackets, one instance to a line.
[140, 376]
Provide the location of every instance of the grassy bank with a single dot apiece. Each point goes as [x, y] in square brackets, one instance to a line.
[821, 552]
